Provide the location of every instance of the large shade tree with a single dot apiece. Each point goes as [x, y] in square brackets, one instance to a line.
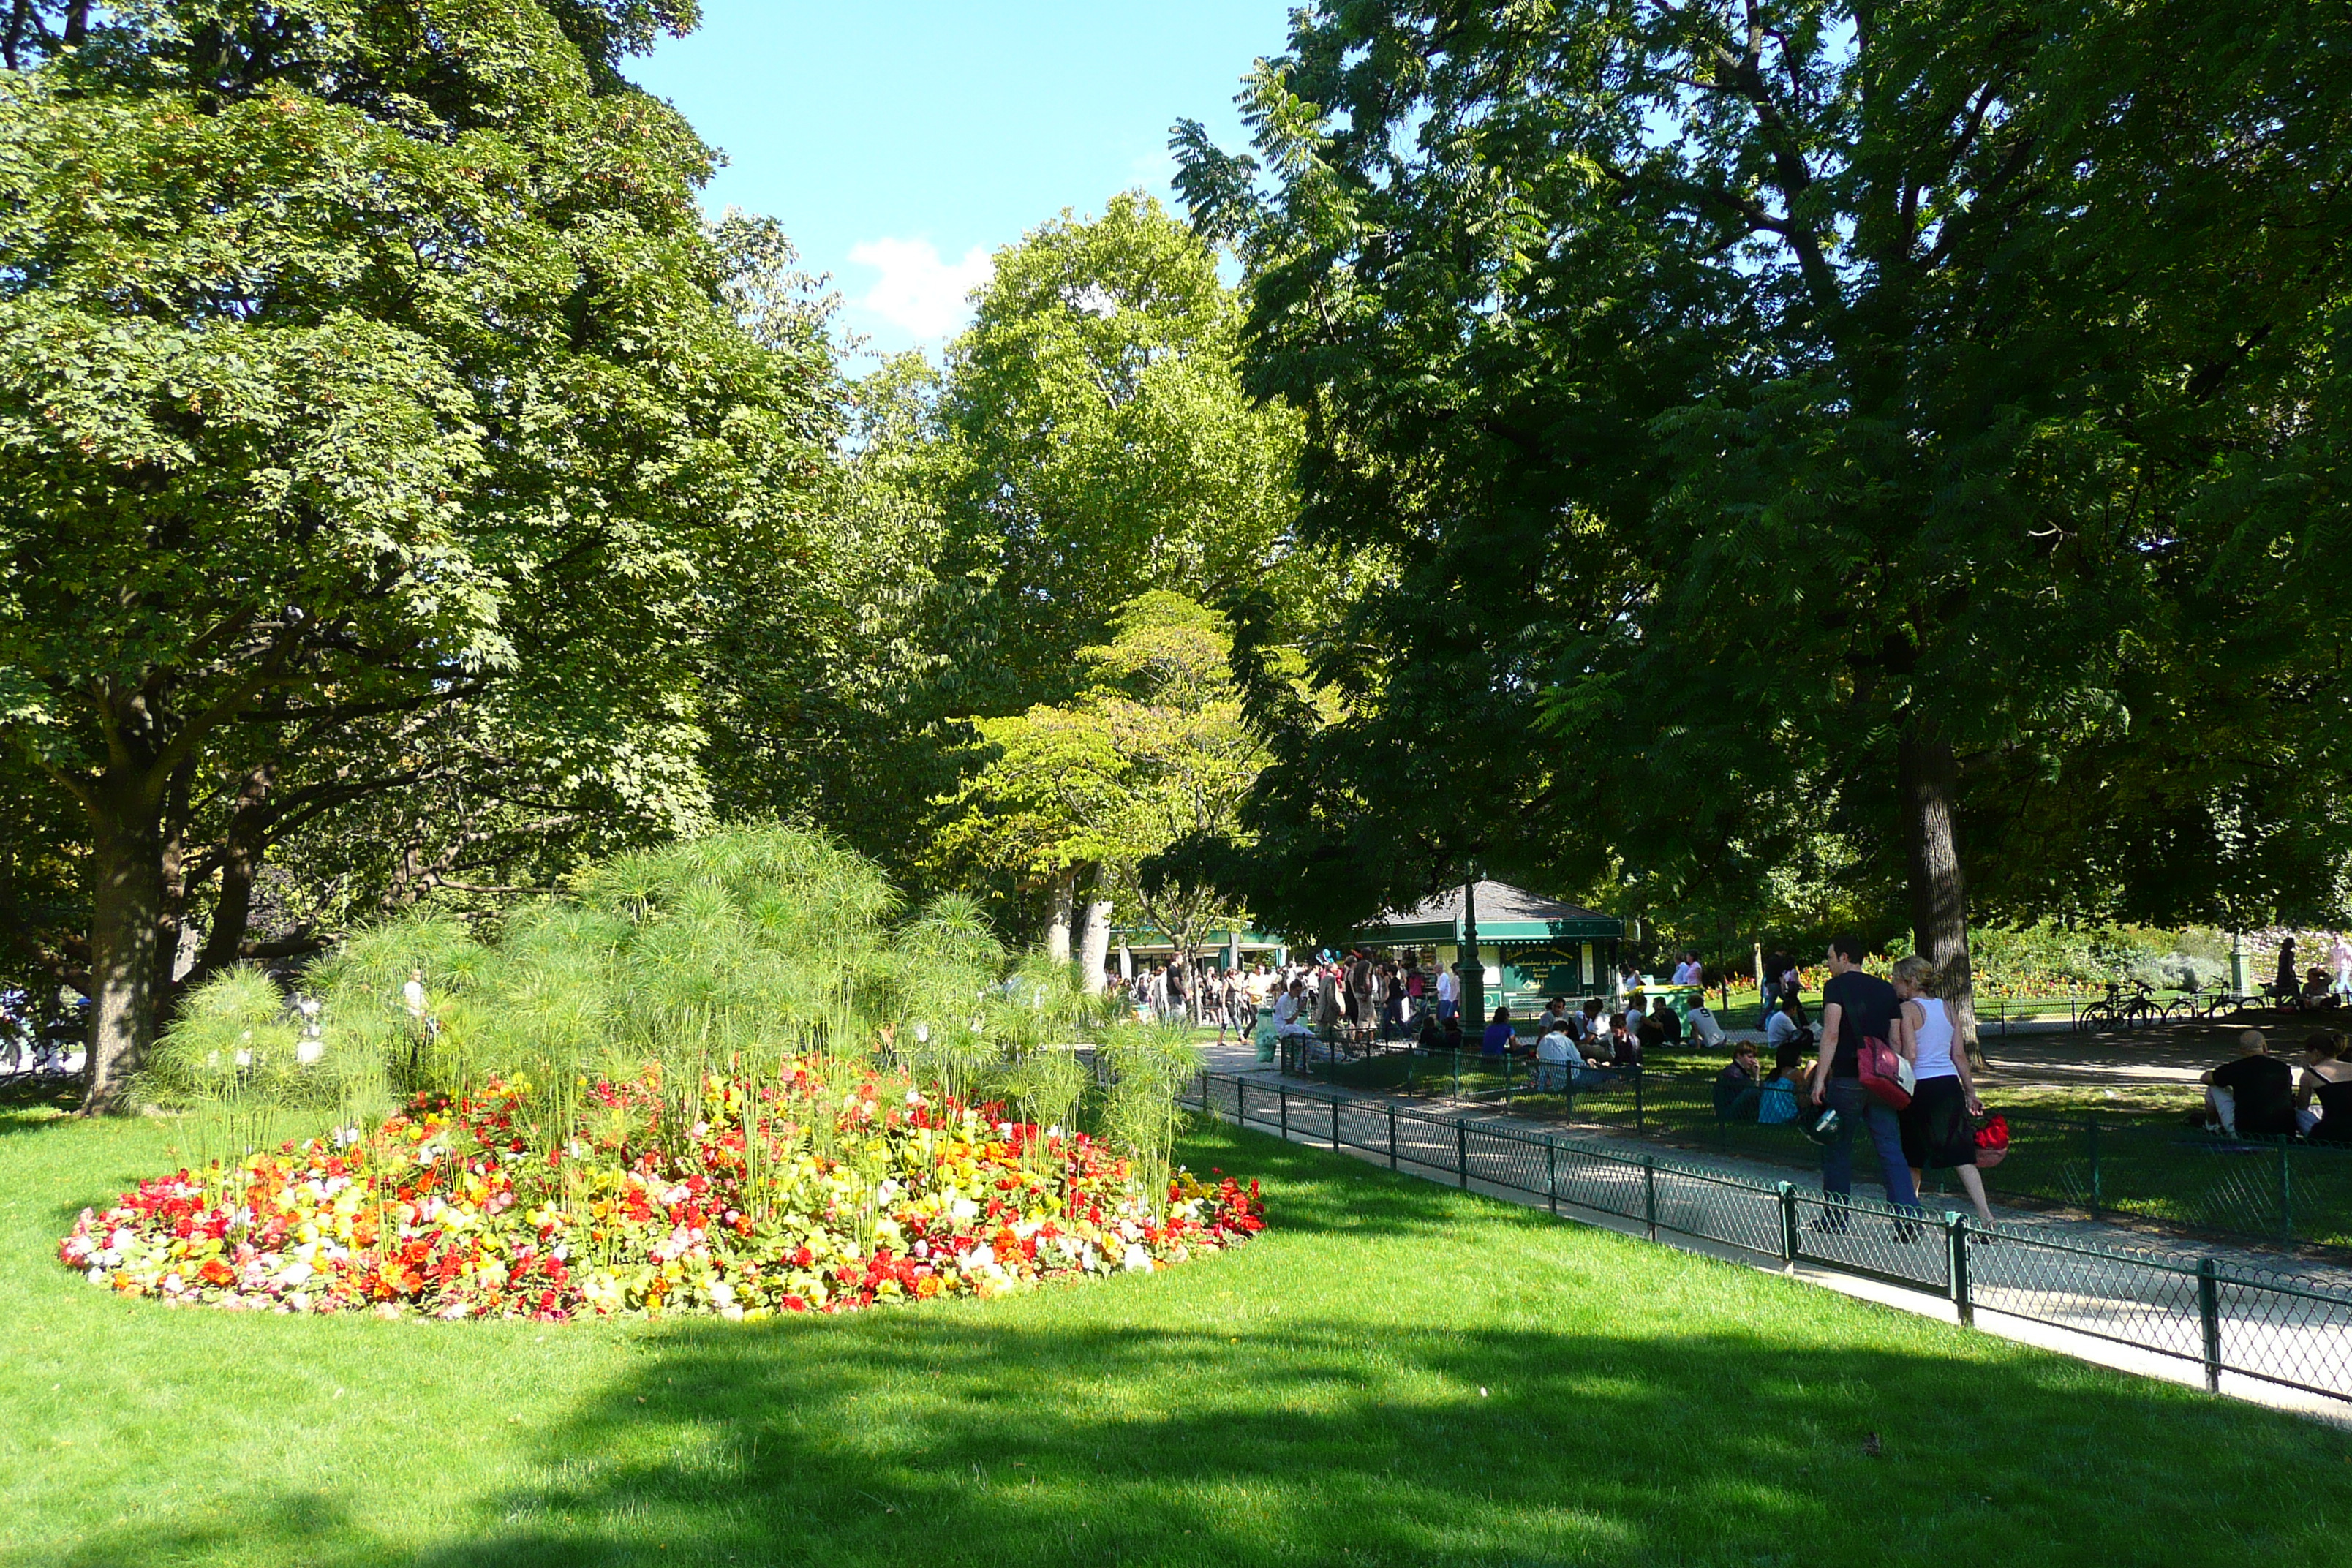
[1916, 400]
[358, 360]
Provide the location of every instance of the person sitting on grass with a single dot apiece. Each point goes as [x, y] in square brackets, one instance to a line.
[1496, 1041]
[1778, 1097]
[1740, 1087]
[1557, 1061]
[1453, 1031]
[1624, 1045]
[1432, 1034]
[1669, 1023]
[2252, 1097]
[1787, 1025]
[2317, 993]
[2327, 1077]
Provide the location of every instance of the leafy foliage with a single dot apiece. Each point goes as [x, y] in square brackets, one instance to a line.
[1819, 420]
[372, 402]
[1153, 750]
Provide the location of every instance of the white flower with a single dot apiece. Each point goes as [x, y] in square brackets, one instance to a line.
[244, 1058]
[1137, 1260]
[978, 1256]
[963, 1209]
[295, 1274]
[97, 1276]
[307, 1051]
[723, 1294]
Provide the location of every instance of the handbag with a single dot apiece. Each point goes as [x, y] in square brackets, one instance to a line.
[1886, 1076]
[1992, 1142]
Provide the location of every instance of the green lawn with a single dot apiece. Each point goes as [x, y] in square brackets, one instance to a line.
[1395, 1372]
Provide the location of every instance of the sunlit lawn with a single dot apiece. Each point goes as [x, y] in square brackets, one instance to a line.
[1396, 1372]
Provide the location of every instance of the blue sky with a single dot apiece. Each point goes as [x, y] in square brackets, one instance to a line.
[900, 144]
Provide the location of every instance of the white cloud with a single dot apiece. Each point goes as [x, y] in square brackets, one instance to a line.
[918, 292]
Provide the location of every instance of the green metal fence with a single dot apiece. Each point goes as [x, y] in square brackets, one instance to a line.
[2142, 1168]
[2225, 1318]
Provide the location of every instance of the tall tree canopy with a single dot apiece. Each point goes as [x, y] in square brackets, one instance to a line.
[1087, 439]
[372, 403]
[1923, 420]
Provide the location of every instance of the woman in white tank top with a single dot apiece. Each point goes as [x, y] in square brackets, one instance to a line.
[1937, 1132]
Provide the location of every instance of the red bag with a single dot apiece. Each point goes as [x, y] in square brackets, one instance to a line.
[1884, 1074]
[1992, 1142]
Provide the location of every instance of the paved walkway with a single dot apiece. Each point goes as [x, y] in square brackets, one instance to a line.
[2093, 1306]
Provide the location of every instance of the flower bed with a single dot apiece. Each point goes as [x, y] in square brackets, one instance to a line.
[792, 1196]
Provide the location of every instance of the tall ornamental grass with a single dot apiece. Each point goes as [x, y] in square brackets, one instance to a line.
[738, 954]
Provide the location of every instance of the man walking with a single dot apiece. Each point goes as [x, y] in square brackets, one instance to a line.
[1855, 1005]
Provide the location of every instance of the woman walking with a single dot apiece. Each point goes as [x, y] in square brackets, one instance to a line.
[1935, 1131]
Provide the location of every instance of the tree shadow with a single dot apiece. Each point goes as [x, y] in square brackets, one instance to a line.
[948, 1437]
[1257, 1410]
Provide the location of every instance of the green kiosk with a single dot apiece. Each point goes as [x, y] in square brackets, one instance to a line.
[1531, 948]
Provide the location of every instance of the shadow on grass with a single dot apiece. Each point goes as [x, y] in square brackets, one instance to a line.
[934, 1437]
[1305, 1410]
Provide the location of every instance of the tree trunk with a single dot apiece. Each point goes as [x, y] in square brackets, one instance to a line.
[1939, 895]
[1057, 918]
[1474, 970]
[242, 850]
[1094, 945]
[126, 864]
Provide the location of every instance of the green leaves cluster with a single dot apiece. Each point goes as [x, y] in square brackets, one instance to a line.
[1801, 418]
[375, 411]
[1153, 750]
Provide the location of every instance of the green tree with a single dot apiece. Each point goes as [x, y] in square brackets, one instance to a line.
[1096, 440]
[1883, 396]
[1153, 750]
[357, 359]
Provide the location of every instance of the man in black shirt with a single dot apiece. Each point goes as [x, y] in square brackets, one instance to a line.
[1855, 1005]
[2252, 1097]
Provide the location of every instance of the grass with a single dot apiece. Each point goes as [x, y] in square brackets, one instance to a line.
[1396, 1372]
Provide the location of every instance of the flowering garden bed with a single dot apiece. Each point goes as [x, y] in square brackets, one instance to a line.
[791, 1196]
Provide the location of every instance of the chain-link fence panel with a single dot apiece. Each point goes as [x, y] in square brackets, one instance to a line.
[2294, 1331]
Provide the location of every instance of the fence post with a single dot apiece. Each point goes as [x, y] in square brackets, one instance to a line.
[1955, 1242]
[1392, 1160]
[2091, 1142]
[1461, 1152]
[1551, 1171]
[1282, 1093]
[1638, 1076]
[1650, 1194]
[1506, 1080]
[1789, 1223]
[1240, 1102]
[1335, 1124]
[1411, 1060]
[2208, 1314]
[2286, 1190]
[1457, 1075]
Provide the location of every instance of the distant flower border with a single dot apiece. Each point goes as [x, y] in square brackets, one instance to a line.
[447, 1211]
